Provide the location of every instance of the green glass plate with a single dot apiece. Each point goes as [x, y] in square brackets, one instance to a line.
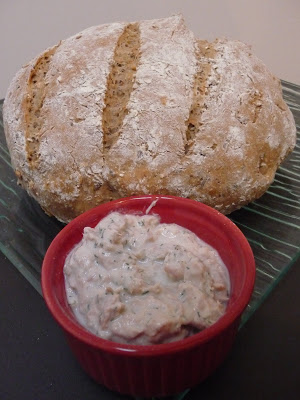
[271, 224]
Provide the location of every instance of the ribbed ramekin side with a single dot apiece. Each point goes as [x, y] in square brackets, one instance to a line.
[157, 375]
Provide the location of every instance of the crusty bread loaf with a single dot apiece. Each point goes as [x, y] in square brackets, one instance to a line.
[125, 109]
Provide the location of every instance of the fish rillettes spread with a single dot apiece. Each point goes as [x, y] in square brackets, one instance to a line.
[135, 280]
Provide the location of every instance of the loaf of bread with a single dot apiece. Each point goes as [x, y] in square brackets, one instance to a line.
[135, 108]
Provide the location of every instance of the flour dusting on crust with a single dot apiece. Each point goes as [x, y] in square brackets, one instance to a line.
[243, 129]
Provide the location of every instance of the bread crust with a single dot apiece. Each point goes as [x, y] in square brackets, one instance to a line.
[203, 120]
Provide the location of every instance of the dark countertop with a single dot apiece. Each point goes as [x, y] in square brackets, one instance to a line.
[36, 363]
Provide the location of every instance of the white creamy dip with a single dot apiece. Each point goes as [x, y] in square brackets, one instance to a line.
[134, 280]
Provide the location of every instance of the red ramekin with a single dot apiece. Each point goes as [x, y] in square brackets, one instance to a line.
[162, 369]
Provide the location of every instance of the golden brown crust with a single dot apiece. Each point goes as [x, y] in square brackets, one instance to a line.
[200, 120]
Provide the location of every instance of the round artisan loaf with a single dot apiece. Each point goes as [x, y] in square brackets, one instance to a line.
[126, 109]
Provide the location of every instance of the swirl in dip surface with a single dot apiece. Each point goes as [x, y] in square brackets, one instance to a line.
[135, 280]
